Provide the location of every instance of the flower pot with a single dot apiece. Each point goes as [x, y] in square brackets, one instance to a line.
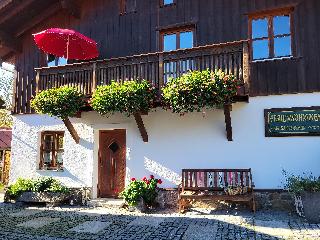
[311, 206]
[43, 197]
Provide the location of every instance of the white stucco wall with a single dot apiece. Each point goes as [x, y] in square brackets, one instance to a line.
[191, 141]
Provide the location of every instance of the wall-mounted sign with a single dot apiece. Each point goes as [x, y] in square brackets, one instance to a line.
[299, 121]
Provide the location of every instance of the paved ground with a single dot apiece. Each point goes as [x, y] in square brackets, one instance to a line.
[87, 223]
[74, 223]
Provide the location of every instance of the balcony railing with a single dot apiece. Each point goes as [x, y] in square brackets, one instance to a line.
[232, 58]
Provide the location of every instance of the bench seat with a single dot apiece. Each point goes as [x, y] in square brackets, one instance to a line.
[210, 184]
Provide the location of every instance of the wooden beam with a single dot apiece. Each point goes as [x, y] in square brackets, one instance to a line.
[38, 19]
[71, 130]
[17, 8]
[142, 128]
[10, 42]
[71, 7]
[227, 118]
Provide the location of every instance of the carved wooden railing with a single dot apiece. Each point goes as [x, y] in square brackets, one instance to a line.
[233, 58]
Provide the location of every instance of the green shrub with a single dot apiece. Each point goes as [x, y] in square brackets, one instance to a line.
[145, 189]
[197, 90]
[43, 184]
[298, 184]
[61, 102]
[128, 97]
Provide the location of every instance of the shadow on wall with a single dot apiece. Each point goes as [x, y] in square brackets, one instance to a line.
[162, 171]
[64, 176]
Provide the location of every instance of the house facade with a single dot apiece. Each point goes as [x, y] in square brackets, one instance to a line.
[273, 47]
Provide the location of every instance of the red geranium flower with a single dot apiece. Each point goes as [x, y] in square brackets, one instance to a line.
[144, 179]
[159, 181]
[133, 179]
[151, 176]
[147, 181]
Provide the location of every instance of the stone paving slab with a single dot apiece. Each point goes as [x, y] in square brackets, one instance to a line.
[90, 227]
[17, 223]
[38, 222]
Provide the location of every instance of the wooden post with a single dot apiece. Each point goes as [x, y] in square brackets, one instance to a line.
[142, 128]
[161, 72]
[227, 118]
[14, 93]
[71, 130]
[246, 67]
[37, 81]
[94, 77]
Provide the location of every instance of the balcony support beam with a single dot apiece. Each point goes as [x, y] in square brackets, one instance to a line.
[71, 130]
[227, 118]
[141, 127]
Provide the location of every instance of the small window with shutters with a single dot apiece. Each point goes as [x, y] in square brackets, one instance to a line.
[51, 150]
[128, 6]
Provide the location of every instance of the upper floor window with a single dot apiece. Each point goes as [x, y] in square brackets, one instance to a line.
[173, 40]
[167, 2]
[55, 61]
[128, 6]
[271, 35]
[51, 150]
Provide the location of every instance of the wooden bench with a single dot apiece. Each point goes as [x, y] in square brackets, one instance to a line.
[210, 184]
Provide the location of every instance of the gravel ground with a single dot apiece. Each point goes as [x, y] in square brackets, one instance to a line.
[105, 223]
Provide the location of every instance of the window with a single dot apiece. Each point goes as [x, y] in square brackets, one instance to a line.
[167, 2]
[271, 35]
[128, 6]
[51, 150]
[173, 40]
[55, 61]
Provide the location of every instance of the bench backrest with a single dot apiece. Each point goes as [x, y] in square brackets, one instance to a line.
[215, 179]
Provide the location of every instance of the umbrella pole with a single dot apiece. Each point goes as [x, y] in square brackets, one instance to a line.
[68, 48]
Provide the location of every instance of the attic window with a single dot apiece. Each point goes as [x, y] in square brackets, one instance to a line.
[128, 6]
[271, 34]
[167, 2]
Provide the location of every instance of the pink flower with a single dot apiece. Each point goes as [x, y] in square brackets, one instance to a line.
[151, 176]
[144, 179]
[133, 179]
[159, 181]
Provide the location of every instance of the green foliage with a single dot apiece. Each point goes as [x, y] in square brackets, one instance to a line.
[61, 102]
[1, 186]
[145, 189]
[128, 97]
[5, 118]
[298, 184]
[196, 90]
[43, 184]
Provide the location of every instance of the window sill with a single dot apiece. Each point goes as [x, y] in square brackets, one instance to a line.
[50, 170]
[275, 59]
[168, 5]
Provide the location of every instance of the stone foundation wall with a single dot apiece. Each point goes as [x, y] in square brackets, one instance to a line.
[265, 200]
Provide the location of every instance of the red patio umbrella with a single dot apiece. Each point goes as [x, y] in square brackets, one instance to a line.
[66, 43]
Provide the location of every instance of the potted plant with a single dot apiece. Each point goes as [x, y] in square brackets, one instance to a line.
[306, 192]
[40, 190]
[141, 194]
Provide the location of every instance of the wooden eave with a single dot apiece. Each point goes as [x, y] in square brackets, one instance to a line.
[13, 25]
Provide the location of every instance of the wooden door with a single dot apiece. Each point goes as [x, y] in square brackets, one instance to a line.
[112, 162]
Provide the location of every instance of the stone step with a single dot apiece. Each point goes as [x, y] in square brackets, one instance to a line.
[106, 202]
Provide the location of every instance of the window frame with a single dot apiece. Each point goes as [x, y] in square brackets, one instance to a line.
[270, 15]
[161, 2]
[55, 149]
[177, 31]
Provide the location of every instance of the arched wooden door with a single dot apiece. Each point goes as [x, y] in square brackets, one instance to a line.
[112, 162]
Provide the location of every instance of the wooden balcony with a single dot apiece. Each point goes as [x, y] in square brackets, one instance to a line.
[232, 58]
